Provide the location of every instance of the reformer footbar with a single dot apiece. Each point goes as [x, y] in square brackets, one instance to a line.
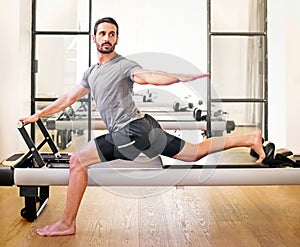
[34, 172]
[34, 151]
[33, 194]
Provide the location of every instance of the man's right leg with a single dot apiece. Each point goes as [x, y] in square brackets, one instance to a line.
[78, 179]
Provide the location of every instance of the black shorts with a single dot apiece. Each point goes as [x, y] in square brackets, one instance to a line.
[142, 135]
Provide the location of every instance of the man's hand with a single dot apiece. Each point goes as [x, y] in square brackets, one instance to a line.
[30, 119]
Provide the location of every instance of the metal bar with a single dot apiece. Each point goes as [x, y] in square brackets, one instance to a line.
[90, 61]
[43, 198]
[246, 100]
[41, 208]
[60, 33]
[33, 65]
[209, 130]
[31, 146]
[168, 125]
[48, 138]
[53, 99]
[237, 34]
[41, 144]
[266, 121]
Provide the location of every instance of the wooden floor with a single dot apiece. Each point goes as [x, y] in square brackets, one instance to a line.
[190, 216]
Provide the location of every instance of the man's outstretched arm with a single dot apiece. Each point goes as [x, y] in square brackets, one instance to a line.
[58, 105]
[163, 78]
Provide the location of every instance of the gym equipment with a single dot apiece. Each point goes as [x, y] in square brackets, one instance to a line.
[72, 121]
[34, 172]
[217, 117]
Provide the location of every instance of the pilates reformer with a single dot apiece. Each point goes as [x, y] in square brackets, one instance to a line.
[34, 172]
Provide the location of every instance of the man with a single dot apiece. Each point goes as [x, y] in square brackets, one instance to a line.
[130, 132]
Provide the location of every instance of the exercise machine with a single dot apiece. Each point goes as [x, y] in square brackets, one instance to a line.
[70, 121]
[34, 172]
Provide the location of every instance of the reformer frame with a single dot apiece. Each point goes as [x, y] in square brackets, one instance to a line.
[34, 172]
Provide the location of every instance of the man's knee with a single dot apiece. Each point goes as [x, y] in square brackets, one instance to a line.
[75, 162]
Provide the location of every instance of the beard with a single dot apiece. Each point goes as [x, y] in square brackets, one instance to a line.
[106, 50]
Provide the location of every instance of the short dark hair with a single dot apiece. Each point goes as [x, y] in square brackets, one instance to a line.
[108, 20]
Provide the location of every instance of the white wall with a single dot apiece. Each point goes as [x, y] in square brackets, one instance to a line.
[169, 26]
[14, 71]
[292, 41]
[284, 74]
[277, 71]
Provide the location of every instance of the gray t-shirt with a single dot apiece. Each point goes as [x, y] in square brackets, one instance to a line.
[112, 88]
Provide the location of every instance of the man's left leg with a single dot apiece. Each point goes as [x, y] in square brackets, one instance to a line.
[78, 179]
[194, 152]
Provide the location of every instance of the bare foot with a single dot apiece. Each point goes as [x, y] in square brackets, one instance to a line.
[57, 229]
[257, 146]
